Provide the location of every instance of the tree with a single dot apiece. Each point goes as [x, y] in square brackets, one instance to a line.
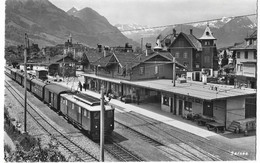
[224, 60]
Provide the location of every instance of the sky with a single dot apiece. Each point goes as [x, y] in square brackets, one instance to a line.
[161, 12]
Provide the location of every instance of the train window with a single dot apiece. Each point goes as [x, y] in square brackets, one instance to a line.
[72, 107]
[85, 113]
[110, 114]
[79, 110]
[96, 115]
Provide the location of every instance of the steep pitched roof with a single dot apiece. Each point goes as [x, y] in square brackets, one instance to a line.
[93, 55]
[207, 35]
[194, 42]
[142, 58]
[127, 58]
[103, 61]
[244, 45]
[58, 58]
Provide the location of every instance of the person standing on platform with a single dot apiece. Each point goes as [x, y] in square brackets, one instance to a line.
[85, 86]
[80, 86]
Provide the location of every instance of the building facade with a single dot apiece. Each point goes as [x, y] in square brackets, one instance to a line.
[246, 62]
[197, 55]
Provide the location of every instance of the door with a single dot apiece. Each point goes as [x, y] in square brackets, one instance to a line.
[180, 107]
[250, 108]
[171, 105]
[197, 76]
[208, 108]
[175, 106]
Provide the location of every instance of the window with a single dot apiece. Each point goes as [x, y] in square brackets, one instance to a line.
[110, 114]
[239, 67]
[197, 65]
[96, 115]
[206, 59]
[118, 68]
[206, 43]
[188, 106]
[166, 100]
[72, 107]
[85, 113]
[207, 33]
[246, 54]
[156, 70]
[79, 110]
[141, 71]
[255, 54]
[185, 55]
[238, 54]
[177, 55]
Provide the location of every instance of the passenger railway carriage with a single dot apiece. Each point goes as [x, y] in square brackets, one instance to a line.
[80, 109]
[52, 95]
[37, 88]
[84, 111]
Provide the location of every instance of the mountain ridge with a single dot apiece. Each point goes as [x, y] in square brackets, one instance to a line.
[227, 30]
[47, 25]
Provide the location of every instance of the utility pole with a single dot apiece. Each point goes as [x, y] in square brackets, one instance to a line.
[173, 71]
[25, 81]
[141, 45]
[102, 126]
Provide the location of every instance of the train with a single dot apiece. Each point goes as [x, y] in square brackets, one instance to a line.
[82, 110]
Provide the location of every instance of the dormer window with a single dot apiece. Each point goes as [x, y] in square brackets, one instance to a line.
[207, 33]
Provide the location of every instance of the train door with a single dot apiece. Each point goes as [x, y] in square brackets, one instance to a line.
[62, 109]
[49, 98]
[79, 115]
[85, 114]
[55, 101]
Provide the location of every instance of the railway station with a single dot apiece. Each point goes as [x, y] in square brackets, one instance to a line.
[222, 103]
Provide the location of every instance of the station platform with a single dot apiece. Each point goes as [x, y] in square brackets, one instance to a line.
[149, 109]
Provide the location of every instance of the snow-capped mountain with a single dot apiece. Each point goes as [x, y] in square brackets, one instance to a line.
[128, 29]
[227, 31]
[136, 32]
[213, 24]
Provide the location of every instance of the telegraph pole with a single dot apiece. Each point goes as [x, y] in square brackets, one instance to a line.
[102, 126]
[173, 71]
[25, 81]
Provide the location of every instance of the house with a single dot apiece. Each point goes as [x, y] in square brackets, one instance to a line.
[197, 54]
[148, 78]
[62, 65]
[131, 67]
[246, 62]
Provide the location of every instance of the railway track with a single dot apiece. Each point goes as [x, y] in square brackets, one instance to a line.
[68, 145]
[176, 153]
[188, 143]
[120, 152]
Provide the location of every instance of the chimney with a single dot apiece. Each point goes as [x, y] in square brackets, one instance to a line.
[99, 48]
[174, 32]
[148, 48]
[191, 31]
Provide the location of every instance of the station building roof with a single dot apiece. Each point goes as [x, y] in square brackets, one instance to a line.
[194, 89]
[191, 88]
